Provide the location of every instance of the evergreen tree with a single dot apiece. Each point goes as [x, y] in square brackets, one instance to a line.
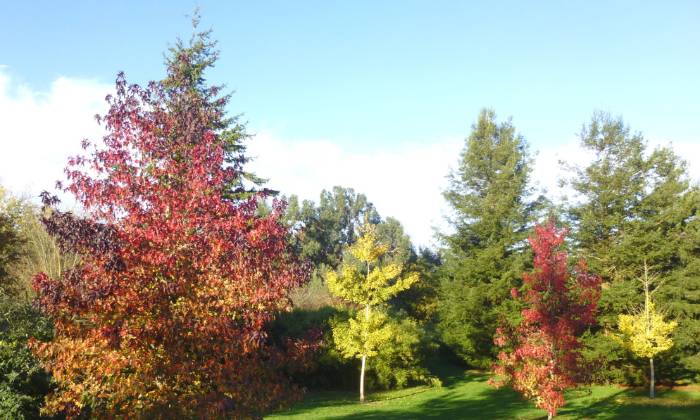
[485, 255]
[638, 206]
[682, 294]
[188, 92]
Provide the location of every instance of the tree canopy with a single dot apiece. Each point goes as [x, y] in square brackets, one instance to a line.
[164, 314]
[638, 208]
[493, 210]
[540, 356]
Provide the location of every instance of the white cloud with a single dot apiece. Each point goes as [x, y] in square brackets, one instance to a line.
[687, 150]
[548, 172]
[404, 181]
[39, 130]
[549, 168]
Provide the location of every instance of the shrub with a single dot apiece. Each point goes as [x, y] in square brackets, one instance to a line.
[23, 383]
[402, 365]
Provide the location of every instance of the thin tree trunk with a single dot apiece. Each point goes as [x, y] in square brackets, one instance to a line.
[362, 379]
[651, 383]
[549, 416]
[364, 357]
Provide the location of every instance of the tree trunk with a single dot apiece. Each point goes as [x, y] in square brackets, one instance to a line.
[362, 379]
[549, 415]
[651, 383]
[364, 358]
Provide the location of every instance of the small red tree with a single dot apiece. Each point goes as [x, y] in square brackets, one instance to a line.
[164, 316]
[540, 356]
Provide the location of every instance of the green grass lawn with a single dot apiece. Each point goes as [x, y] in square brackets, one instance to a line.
[467, 395]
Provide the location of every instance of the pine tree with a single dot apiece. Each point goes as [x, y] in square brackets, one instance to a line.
[486, 254]
[188, 91]
[638, 206]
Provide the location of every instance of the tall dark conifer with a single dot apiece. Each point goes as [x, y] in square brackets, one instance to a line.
[188, 92]
[485, 255]
[638, 206]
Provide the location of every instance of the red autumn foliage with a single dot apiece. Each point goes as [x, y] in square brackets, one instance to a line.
[540, 356]
[164, 317]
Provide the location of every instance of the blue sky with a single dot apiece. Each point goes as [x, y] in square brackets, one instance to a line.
[387, 71]
[373, 77]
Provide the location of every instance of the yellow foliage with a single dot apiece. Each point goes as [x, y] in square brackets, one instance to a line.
[645, 333]
[378, 284]
[367, 249]
[368, 331]
[362, 336]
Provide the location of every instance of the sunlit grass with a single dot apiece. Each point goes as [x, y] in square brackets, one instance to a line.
[467, 395]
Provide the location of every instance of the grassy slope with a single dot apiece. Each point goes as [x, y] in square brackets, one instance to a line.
[468, 396]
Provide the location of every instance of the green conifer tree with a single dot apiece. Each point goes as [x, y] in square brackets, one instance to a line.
[486, 254]
[638, 205]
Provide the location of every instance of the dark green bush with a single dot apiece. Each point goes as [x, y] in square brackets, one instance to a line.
[328, 370]
[23, 383]
[402, 366]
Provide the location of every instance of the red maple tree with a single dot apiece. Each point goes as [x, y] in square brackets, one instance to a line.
[540, 356]
[164, 317]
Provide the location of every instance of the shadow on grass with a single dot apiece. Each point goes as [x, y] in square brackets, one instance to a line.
[455, 404]
[493, 403]
[634, 404]
[343, 398]
[451, 376]
[464, 395]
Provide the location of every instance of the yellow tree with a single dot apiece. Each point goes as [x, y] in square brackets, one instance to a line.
[368, 284]
[644, 332]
